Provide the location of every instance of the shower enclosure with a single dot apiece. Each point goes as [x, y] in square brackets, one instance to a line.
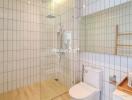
[36, 45]
[59, 18]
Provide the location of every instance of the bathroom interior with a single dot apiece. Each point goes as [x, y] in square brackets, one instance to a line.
[65, 50]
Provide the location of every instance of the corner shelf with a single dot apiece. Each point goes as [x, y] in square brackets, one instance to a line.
[123, 86]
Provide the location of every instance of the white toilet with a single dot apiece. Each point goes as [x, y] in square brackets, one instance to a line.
[90, 89]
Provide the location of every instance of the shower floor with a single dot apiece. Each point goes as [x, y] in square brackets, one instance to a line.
[47, 90]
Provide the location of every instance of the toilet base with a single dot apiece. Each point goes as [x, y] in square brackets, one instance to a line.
[95, 96]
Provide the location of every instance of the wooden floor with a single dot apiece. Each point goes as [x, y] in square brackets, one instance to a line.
[63, 97]
[47, 90]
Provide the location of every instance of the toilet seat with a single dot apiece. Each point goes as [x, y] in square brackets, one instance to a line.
[82, 91]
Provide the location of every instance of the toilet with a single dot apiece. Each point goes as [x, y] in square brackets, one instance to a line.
[90, 88]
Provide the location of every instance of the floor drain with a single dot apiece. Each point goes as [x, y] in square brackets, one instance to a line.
[56, 79]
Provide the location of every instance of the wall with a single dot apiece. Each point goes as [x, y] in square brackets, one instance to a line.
[89, 7]
[99, 30]
[20, 22]
[97, 35]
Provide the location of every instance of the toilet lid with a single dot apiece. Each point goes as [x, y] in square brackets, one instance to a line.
[82, 91]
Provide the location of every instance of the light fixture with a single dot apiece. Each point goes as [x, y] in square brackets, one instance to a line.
[58, 1]
[29, 2]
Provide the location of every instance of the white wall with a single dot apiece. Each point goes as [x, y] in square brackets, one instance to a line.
[98, 31]
[93, 6]
[19, 43]
[97, 34]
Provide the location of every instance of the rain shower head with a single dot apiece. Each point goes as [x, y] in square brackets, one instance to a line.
[50, 16]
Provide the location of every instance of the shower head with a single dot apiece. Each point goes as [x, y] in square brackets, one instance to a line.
[50, 16]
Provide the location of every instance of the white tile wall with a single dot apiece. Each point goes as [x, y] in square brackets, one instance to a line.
[19, 43]
[98, 31]
[92, 6]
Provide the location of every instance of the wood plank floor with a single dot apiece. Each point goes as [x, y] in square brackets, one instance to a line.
[47, 90]
[63, 97]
